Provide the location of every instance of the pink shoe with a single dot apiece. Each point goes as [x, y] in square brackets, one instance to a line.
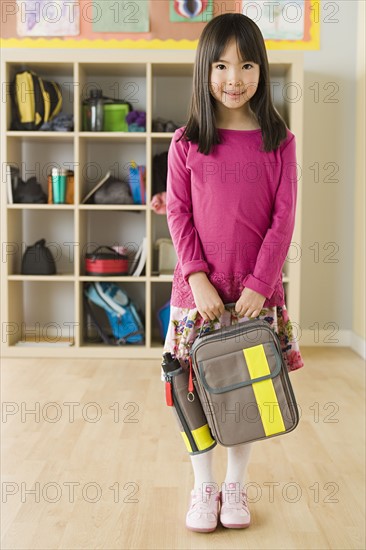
[203, 512]
[234, 507]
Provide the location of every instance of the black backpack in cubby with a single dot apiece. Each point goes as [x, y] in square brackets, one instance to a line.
[38, 260]
[34, 100]
[29, 191]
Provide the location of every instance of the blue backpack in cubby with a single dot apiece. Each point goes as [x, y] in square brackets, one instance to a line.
[163, 316]
[124, 318]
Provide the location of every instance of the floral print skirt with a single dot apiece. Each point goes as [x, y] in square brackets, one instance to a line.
[185, 325]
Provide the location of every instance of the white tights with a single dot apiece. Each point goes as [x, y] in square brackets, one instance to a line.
[237, 461]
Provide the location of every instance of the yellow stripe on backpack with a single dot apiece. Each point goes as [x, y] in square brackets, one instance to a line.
[264, 391]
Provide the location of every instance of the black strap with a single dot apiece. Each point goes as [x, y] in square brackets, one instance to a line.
[104, 336]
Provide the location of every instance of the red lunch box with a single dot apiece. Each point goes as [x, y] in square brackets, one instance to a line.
[106, 263]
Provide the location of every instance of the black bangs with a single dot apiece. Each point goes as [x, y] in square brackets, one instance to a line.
[247, 48]
[244, 35]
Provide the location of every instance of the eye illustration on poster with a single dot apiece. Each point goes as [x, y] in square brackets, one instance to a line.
[45, 18]
[190, 11]
[280, 20]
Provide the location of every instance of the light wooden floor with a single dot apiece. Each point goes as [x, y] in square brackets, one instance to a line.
[131, 475]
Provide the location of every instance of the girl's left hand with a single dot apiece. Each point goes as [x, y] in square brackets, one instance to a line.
[250, 303]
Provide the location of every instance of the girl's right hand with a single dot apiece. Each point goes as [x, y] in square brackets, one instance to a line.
[207, 300]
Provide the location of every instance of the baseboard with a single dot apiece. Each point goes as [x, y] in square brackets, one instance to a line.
[358, 344]
[334, 338]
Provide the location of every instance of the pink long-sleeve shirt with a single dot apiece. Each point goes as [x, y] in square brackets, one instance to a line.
[231, 214]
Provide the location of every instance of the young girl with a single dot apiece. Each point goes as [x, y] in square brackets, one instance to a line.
[231, 200]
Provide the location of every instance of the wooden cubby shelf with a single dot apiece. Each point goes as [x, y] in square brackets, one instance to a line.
[158, 82]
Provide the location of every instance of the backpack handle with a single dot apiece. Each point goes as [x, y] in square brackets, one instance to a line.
[38, 244]
[231, 304]
[95, 252]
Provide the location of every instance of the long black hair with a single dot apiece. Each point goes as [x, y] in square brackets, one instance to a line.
[215, 36]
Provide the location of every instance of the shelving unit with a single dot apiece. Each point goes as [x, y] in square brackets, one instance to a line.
[160, 83]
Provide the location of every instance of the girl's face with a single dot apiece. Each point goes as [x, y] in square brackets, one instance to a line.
[233, 81]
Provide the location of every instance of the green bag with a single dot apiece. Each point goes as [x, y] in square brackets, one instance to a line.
[34, 100]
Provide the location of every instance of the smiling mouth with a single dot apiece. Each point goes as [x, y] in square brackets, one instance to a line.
[234, 94]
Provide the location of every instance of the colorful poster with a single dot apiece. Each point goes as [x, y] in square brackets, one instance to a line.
[45, 18]
[123, 16]
[190, 11]
[279, 19]
[152, 24]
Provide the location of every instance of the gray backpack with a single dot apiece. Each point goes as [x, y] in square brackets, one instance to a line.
[243, 383]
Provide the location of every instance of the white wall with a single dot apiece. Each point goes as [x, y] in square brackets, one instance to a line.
[328, 208]
[360, 199]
